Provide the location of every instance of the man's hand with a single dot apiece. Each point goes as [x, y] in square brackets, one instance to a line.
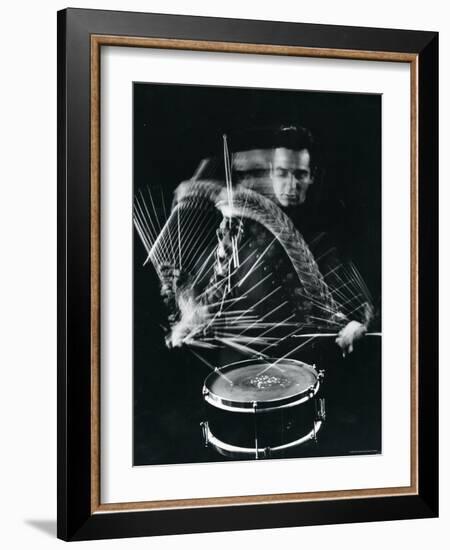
[350, 333]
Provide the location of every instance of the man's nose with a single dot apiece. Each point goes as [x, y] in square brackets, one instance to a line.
[293, 180]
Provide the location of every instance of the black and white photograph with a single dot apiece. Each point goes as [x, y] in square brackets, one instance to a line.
[224, 291]
[257, 262]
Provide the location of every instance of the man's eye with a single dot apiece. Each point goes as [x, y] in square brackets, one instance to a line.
[256, 173]
[281, 172]
[301, 174]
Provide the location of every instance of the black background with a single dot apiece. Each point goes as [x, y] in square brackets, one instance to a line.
[174, 128]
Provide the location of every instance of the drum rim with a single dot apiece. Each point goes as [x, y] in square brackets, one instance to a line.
[260, 406]
[229, 449]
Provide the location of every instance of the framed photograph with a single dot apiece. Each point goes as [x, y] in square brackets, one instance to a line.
[247, 255]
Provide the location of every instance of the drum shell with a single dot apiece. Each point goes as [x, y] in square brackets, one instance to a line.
[262, 428]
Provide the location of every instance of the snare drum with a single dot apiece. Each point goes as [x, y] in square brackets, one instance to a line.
[259, 407]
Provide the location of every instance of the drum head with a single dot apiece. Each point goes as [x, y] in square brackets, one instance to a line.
[261, 384]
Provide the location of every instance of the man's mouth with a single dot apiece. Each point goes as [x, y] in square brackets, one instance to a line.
[289, 197]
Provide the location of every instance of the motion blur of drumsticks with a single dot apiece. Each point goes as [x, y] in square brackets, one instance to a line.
[202, 289]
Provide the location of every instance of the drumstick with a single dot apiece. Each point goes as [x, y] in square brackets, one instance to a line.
[214, 369]
[331, 334]
[243, 349]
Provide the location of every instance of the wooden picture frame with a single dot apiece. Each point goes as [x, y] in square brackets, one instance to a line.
[81, 35]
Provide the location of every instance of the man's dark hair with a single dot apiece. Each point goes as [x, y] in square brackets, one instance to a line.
[290, 136]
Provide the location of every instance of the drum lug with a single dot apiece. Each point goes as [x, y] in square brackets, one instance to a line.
[313, 434]
[266, 452]
[205, 428]
[321, 375]
[320, 410]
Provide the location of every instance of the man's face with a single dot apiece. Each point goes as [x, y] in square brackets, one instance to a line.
[291, 176]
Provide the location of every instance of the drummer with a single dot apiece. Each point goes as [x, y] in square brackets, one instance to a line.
[281, 163]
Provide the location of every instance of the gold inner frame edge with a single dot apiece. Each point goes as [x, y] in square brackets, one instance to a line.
[97, 41]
